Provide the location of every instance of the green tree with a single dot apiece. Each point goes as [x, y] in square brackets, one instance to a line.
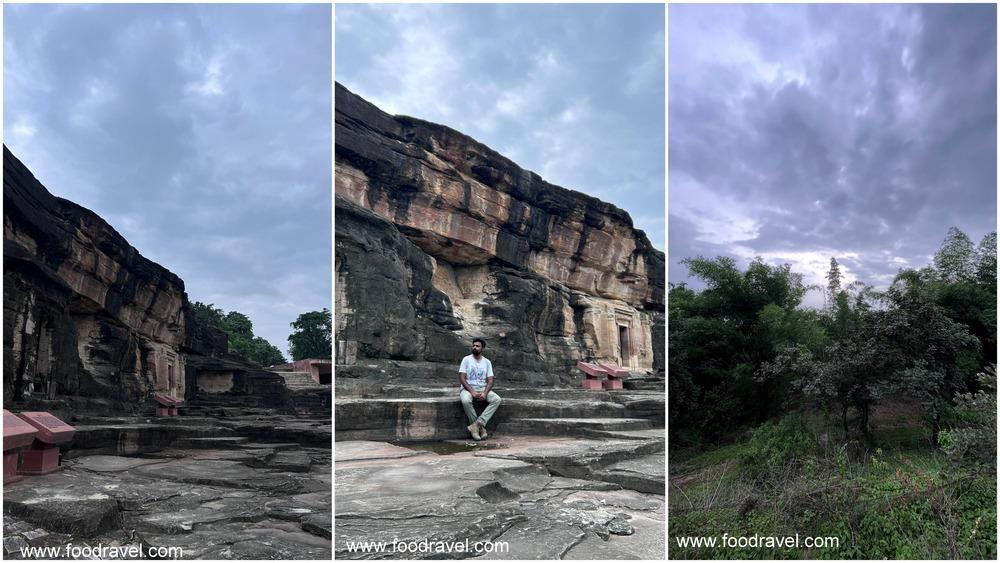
[986, 261]
[312, 337]
[720, 337]
[209, 313]
[265, 353]
[238, 324]
[833, 282]
[909, 347]
[239, 332]
[955, 260]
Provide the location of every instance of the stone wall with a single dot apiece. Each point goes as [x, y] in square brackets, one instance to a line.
[440, 239]
[86, 315]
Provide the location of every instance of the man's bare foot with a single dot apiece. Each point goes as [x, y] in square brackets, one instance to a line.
[482, 430]
[474, 430]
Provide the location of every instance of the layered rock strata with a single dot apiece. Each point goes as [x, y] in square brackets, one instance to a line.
[440, 239]
[87, 316]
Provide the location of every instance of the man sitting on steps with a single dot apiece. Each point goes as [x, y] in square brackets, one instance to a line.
[476, 376]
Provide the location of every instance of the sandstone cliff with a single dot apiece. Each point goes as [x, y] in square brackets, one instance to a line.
[440, 239]
[87, 316]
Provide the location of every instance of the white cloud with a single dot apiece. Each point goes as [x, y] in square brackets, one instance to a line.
[718, 218]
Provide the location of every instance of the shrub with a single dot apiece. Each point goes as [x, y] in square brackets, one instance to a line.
[775, 445]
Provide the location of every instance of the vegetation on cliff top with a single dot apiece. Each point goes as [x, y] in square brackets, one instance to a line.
[312, 336]
[239, 328]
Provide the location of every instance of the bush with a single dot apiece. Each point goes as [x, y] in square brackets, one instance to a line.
[973, 434]
[775, 445]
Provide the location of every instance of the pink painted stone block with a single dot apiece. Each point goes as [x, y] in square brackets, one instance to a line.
[166, 400]
[51, 430]
[16, 432]
[592, 370]
[592, 384]
[40, 459]
[10, 460]
[613, 370]
[613, 384]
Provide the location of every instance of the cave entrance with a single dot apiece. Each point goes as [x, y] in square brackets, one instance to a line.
[624, 350]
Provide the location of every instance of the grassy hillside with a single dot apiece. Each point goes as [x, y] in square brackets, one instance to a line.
[898, 497]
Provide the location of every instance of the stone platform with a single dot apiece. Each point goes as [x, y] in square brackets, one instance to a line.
[384, 412]
[546, 497]
[235, 488]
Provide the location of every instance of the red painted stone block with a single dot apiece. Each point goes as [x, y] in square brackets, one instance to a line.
[10, 460]
[16, 435]
[51, 430]
[40, 459]
[16, 432]
[592, 370]
[165, 400]
[613, 384]
[166, 405]
[613, 370]
[43, 455]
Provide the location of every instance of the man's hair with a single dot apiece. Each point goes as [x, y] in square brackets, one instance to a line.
[479, 340]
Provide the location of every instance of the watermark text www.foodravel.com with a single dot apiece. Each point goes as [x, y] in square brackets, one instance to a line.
[427, 546]
[101, 551]
[786, 542]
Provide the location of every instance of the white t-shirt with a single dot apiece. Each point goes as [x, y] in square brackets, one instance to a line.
[476, 372]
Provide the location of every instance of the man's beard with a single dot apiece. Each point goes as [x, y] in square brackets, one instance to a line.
[476, 353]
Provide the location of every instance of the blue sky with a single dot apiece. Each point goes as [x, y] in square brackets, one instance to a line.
[572, 92]
[804, 132]
[202, 133]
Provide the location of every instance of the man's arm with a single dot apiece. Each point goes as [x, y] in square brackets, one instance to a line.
[489, 379]
[465, 384]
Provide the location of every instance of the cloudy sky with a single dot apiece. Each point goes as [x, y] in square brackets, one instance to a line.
[201, 133]
[572, 92]
[799, 133]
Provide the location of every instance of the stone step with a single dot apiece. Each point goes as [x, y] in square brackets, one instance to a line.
[442, 418]
[384, 391]
[573, 426]
[590, 458]
[645, 384]
[644, 474]
[298, 379]
[224, 442]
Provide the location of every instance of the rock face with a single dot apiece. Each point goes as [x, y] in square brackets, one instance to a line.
[440, 239]
[87, 316]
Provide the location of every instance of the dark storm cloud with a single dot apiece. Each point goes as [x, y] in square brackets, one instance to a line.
[201, 133]
[798, 133]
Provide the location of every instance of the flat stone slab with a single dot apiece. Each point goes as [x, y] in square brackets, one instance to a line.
[219, 473]
[475, 496]
[248, 507]
[538, 538]
[319, 524]
[80, 514]
[573, 457]
[278, 447]
[294, 461]
[645, 474]
[112, 463]
[212, 442]
[357, 450]
[213, 502]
